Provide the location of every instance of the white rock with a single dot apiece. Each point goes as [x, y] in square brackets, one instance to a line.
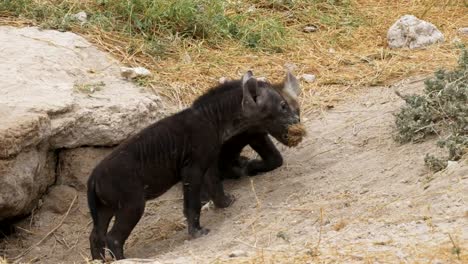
[309, 29]
[463, 30]
[223, 80]
[208, 206]
[41, 110]
[331, 50]
[411, 32]
[451, 164]
[81, 16]
[238, 253]
[308, 77]
[132, 73]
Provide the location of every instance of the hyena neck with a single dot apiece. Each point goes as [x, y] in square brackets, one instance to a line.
[224, 112]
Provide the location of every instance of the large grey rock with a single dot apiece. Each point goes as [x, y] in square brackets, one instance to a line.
[75, 84]
[411, 32]
[58, 91]
[23, 180]
[19, 130]
[75, 165]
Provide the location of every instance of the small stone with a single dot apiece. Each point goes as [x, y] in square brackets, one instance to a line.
[186, 58]
[331, 50]
[451, 164]
[81, 16]
[238, 253]
[251, 9]
[463, 31]
[223, 80]
[308, 77]
[209, 205]
[134, 72]
[309, 29]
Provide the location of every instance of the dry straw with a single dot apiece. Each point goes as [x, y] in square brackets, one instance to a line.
[296, 133]
[342, 56]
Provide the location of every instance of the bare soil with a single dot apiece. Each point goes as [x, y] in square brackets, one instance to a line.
[348, 194]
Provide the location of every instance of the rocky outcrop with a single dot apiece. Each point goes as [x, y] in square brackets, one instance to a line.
[23, 179]
[58, 91]
[75, 165]
[411, 32]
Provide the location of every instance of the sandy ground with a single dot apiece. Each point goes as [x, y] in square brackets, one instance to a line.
[347, 194]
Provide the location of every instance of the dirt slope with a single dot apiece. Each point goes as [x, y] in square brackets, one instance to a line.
[349, 193]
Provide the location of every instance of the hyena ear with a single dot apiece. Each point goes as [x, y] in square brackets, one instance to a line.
[291, 86]
[249, 91]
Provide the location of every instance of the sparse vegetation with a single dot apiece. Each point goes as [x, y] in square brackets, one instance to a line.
[207, 40]
[442, 110]
[158, 22]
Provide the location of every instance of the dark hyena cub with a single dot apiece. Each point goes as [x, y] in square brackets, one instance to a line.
[231, 164]
[181, 147]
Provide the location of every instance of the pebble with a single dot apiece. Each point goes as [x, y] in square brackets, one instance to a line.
[308, 77]
[463, 31]
[309, 29]
[81, 16]
[238, 253]
[134, 72]
[223, 80]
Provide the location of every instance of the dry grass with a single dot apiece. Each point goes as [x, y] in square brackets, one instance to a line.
[348, 50]
[295, 134]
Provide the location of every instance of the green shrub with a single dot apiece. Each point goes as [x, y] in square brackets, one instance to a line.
[442, 110]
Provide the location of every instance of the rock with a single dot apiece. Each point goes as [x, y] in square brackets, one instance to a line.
[309, 29]
[238, 253]
[132, 73]
[451, 164]
[47, 65]
[208, 206]
[59, 199]
[411, 32]
[223, 80]
[308, 78]
[251, 9]
[463, 31]
[23, 179]
[42, 108]
[21, 130]
[81, 16]
[75, 165]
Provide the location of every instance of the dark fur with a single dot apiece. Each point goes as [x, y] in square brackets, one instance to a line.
[231, 164]
[184, 147]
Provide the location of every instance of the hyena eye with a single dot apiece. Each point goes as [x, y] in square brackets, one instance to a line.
[283, 105]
